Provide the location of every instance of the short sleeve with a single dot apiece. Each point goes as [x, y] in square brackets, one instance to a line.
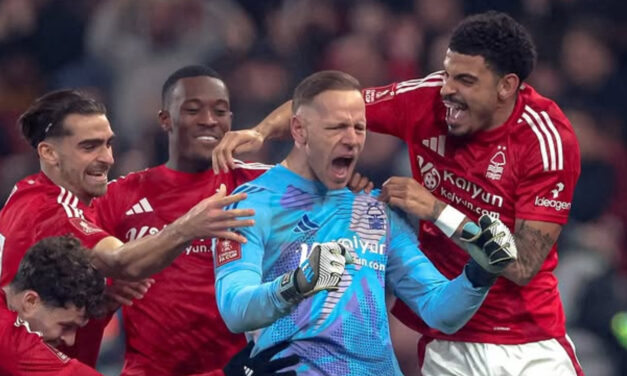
[550, 167]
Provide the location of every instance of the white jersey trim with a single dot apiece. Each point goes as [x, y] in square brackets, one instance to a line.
[251, 166]
[69, 202]
[548, 138]
[433, 80]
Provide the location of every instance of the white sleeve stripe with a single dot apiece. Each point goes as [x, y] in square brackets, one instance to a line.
[425, 84]
[549, 138]
[558, 139]
[552, 138]
[60, 200]
[439, 76]
[545, 162]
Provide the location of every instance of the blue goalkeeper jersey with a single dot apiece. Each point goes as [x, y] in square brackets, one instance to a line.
[343, 332]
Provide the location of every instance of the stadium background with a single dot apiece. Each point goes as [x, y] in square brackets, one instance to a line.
[122, 50]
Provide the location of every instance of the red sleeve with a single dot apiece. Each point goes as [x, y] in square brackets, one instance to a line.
[84, 229]
[393, 109]
[382, 110]
[549, 167]
[28, 355]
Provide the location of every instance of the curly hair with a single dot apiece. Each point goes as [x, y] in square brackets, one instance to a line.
[59, 270]
[44, 118]
[185, 72]
[505, 44]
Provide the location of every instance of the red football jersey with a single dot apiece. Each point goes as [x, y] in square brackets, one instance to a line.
[36, 209]
[24, 353]
[525, 169]
[176, 328]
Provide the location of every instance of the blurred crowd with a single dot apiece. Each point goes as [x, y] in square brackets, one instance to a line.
[121, 51]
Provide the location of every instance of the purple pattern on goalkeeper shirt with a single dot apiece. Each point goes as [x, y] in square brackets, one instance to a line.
[295, 198]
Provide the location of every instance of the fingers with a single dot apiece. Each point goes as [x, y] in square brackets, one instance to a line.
[217, 201]
[369, 187]
[268, 353]
[234, 223]
[280, 363]
[230, 235]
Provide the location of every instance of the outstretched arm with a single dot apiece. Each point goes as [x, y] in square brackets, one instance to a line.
[142, 258]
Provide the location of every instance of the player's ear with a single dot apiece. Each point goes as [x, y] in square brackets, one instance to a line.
[47, 152]
[298, 130]
[165, 120]
[507, 86]
[29, 303]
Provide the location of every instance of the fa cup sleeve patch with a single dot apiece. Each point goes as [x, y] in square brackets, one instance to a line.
[85, 227]
[227, 251]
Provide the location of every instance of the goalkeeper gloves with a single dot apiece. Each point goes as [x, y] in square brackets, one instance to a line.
[322, 270]
[491, 246]
[260, 365]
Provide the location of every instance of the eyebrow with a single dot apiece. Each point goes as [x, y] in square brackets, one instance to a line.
[462, 76]
[96, 140]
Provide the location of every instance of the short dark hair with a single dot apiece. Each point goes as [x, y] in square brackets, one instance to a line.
[185, 72]
[505, 44]
[58, 269]
[320, 82]
[44, 118]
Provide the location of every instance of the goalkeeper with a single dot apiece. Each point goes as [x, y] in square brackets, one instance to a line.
[318, 261]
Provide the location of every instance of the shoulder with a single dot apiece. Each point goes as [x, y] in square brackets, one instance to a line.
[544, 132]
[247, 171]
[427, 87]
[132, 179]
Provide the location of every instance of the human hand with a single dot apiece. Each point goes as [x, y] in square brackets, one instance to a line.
[491, 246]
[322, 270]
[235, 142]
[121, 292]
[208, 218]
[410, 196]
[359, 182]
[260, 365]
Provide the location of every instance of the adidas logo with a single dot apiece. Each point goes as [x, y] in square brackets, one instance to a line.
[435, 143]
[305, 225]
[143, 206]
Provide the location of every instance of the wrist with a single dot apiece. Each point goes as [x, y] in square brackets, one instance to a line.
[448, 219]
[288, 288]
[478, 276]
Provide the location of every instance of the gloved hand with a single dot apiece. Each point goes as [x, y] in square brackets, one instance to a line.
[321, 271]
[491, 246]
[241, 364]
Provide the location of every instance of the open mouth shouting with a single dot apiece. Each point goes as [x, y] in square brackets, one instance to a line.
[456, 112]
[341, 167]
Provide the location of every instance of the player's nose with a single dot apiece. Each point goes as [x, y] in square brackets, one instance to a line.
[447, 88]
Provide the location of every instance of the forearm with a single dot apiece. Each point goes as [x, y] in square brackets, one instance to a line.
[534, 240]
[247, 304]
[448, 306]
[277, 123]
[140, 258]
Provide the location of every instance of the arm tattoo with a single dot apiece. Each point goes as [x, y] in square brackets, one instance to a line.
[533, 247]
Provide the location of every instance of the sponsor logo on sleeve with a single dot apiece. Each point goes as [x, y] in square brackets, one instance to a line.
[227, 251]
[552, 202]
[84, 227]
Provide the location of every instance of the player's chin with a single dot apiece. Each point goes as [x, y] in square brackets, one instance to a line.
[97, 190]
[458, 130]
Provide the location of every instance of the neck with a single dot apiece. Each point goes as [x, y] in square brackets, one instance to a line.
[503, 112]
[296, 161]
[54, 175]
[188, 166]
[10, 297]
